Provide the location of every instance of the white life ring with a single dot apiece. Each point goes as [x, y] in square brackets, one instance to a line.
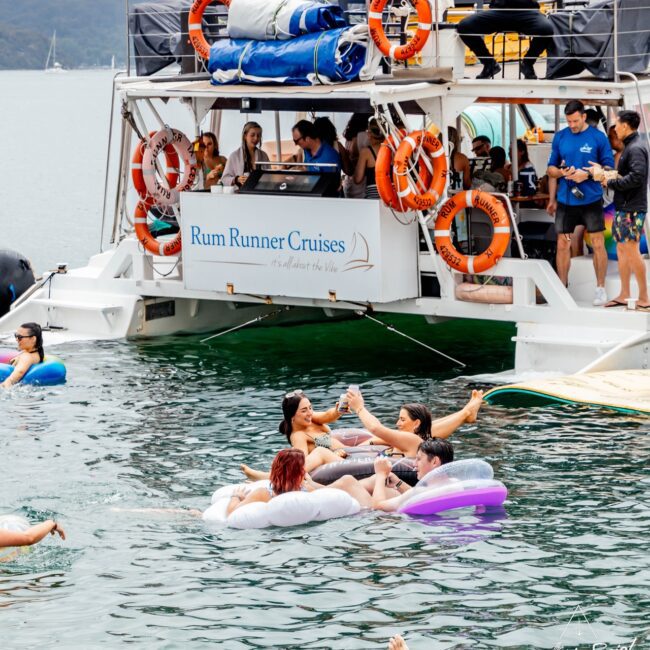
[183, 147]
[289, 509]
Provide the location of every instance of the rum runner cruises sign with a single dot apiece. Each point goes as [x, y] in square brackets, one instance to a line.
[303, 247]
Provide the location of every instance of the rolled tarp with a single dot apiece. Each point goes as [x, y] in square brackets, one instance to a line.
[329, 57]
[267, 20]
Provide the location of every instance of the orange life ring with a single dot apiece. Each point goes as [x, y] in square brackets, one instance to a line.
[498, 246]
[384, 175]
[195, 26]
[171, 163]
[142, 232]
[434, 150]
[399, 52]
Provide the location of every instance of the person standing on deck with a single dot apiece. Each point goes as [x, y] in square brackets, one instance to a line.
[579, 196]
[630, 185]
[522, 16]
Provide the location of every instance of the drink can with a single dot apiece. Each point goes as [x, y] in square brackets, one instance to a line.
[343, 403]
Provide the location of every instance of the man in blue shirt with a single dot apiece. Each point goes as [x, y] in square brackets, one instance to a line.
[315, 150]
[579, 196]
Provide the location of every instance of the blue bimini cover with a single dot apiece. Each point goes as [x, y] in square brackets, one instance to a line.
[264, 20]
[329, 57]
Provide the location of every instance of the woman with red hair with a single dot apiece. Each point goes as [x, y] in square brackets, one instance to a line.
[287, 475]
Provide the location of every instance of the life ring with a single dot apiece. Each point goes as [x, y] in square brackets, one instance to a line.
[384, 176]
[183, 147]
[415, 44]
[150, 243]
[288, 509]
[195, 27]
[435, 151]
[171, 163]
[48, 372]
[360, 464]
[498, 246]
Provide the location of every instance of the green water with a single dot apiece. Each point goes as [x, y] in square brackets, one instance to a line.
[163, 423]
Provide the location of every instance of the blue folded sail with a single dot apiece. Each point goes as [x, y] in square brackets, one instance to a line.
[333, 56]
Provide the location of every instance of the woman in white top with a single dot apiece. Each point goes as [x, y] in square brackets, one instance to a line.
[243, 161]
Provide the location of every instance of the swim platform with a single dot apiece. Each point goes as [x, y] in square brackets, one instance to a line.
[621, 390]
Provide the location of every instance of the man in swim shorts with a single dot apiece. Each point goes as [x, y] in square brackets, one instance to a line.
[384, 490]
[630, 185]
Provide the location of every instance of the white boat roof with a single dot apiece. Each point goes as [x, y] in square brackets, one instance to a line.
[541, 91]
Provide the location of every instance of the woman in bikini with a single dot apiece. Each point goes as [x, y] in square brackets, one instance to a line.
[30, 343]
[308, 431]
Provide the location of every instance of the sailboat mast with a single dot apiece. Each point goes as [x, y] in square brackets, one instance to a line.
[51, 53]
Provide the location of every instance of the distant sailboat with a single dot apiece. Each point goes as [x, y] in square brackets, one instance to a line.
[51, 56]
[113, 62]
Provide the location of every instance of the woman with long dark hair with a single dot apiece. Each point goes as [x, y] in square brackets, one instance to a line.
[287, 475]
[306, 430]
[414, 423]
[243, 161]
[213, 163]
[29, 338]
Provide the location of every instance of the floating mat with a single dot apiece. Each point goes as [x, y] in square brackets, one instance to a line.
[622, 390]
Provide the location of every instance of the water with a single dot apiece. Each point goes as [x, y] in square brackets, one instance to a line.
[163, 423]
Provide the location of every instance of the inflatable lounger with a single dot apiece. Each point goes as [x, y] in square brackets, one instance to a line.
[281, 19]
[289, 509]
[13, 523]
[459, 484]
[49, 372]
[621, 390]
[334, 56]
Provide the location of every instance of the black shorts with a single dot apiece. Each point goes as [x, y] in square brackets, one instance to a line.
[590, 215]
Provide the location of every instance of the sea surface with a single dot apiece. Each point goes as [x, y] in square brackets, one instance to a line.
[163, 423]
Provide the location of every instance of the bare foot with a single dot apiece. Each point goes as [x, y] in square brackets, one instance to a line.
[473, 406]
[253, 474]
[397, 643]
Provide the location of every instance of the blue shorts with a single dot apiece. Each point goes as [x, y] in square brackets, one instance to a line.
[627, 226]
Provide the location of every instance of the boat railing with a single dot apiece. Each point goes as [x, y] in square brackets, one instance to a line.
[171, 32]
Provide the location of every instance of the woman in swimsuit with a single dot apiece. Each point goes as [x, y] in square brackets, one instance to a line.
[287, 475]
[365, 168]
[30, 343]
[307, 431]
[414, 423]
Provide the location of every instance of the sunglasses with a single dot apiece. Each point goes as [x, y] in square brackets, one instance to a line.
[294, 393]
[296, 141]
[20, 337]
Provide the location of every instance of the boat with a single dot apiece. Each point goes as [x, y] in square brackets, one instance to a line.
[268, 256]
[55, 67]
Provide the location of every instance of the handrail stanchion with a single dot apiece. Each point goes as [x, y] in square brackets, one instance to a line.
[128, 41]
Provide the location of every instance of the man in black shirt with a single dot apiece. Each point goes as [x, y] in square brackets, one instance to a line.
[521, 16]
[630, 185]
